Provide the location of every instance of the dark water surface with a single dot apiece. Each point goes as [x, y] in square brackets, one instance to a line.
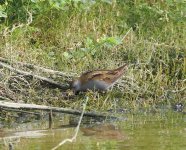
[159, 131]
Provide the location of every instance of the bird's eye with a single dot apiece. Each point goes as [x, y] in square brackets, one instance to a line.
[73, 85]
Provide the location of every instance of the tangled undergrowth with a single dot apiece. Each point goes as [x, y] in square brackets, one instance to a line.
[149, 36]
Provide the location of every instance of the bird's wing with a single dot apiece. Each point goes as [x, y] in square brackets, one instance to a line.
[108, 76]
[115, 74]
[93, 75]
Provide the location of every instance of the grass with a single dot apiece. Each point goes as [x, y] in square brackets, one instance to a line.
[81, 38]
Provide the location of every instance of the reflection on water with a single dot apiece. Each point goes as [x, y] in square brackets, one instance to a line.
[151, 131]
[104, 131]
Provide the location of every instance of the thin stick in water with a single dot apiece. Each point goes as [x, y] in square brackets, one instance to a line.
[76, 130]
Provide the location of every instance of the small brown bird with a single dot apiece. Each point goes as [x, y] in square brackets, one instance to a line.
[99, 80]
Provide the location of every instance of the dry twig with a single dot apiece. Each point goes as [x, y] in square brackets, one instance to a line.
[22, 106]
[44, 79]
[76, 130]
[39, 68]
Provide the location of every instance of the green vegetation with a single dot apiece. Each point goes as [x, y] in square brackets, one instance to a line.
[79, 35]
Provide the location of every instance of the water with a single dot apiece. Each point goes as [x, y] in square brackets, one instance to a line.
[143, 131]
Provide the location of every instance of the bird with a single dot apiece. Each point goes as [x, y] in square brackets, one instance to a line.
[97, 80]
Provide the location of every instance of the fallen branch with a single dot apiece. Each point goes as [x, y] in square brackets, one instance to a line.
[39, 68]
[4, 98]
[44, 79]
[77, 128]
[23, 106]
[20, 111]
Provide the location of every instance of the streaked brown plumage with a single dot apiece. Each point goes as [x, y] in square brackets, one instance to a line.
[98, 79]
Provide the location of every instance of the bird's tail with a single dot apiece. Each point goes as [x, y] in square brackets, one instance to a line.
[119, 72]
[122, 68]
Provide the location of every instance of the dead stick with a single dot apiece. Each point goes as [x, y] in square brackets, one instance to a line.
[20, 111]
[50, 119]
[50, 81]
[76, 130]
[39, 68]
[54, 109]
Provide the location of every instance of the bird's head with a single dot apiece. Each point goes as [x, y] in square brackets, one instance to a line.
[75, 85]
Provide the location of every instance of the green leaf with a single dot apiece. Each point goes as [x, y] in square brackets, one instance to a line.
[67, 55]
[89, 42]
[110, 41]
[79, 54]
[2, 12]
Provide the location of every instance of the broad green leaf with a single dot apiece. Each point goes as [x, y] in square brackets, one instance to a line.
[67, 55]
